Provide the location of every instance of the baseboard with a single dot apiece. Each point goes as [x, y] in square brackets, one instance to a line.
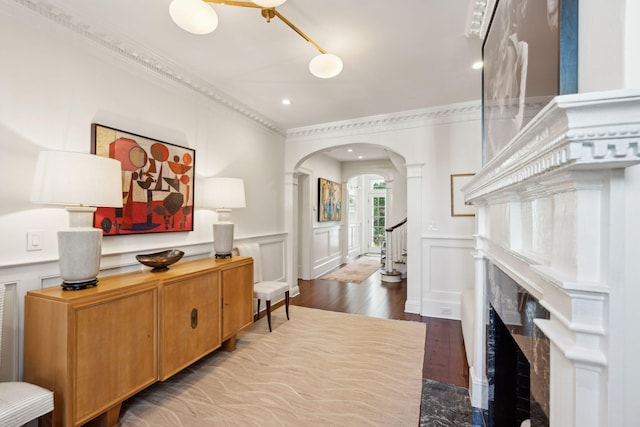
[444, 309]
[412, 307]
[478, 389]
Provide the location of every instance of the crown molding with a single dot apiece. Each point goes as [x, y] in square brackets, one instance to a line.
[452, 113]
[589, 131]
[150, 61]
[480, 12]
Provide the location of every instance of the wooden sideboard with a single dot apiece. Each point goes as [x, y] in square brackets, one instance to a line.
[96, 347]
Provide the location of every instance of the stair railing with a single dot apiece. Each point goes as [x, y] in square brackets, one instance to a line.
[395, 246]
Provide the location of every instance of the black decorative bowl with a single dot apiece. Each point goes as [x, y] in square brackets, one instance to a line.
[160, 261]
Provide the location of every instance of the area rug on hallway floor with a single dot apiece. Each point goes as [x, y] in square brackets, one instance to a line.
[356, 271]
[319, 368]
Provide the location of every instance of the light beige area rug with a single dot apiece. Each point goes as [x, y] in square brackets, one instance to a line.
[356, 271]
[320, 368]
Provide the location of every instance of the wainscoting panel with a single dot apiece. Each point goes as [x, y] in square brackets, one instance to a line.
[448, 269]
[273, 258]
[327, 253]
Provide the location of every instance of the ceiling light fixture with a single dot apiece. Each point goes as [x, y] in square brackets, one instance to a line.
[269, 3]
[196, 17]
[477, 65]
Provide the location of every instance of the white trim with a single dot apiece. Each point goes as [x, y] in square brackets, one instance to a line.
[133, 52]
[452, 113]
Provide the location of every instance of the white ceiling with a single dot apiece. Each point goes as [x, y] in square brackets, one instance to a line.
[398, 56]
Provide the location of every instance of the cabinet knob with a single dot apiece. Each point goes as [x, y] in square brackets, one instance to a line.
[194, 318]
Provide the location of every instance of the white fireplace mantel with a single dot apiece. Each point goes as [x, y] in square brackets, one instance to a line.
[552, 215]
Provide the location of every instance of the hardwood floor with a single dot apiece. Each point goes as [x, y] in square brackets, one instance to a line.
[444, 358]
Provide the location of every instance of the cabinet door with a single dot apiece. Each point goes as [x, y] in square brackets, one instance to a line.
[190, 321]
[115, 352]
[237, 298]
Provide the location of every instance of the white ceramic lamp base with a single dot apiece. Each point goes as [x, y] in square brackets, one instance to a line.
[80, 252]
[223, 239]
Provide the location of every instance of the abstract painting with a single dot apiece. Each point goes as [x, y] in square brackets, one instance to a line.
[157, 184]
[329, 200]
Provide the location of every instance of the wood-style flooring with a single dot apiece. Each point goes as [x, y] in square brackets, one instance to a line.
[444, 357]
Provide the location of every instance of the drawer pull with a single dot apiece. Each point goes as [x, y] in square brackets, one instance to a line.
[194, 318]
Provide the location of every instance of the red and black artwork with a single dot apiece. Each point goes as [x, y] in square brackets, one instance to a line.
[157, 184]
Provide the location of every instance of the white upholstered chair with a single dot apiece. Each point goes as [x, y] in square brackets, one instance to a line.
[21, 402]
[264, 289]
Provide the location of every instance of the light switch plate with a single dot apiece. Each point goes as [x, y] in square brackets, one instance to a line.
[34, 240]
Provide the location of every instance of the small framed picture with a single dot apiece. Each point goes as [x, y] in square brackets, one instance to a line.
[458, 206]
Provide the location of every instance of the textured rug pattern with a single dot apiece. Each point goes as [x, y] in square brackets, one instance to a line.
[319, 368]
[356, 271]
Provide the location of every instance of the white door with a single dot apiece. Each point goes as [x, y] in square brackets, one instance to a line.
[377, 221]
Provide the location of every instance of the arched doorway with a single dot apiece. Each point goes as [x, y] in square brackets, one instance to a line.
[322, 246]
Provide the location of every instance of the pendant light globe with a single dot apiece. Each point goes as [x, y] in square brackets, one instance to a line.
[325, 66]
[269, 3]
[193, 16]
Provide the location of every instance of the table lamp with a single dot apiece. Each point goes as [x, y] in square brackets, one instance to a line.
[223, 194]
[81, 182]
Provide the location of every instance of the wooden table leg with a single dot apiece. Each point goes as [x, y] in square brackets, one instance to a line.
[230, 344]
[109, 418]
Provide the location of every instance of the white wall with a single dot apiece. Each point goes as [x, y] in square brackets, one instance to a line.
[608, 59]
[608, 45]
[327, 238]
[436, 142]
[54, 84]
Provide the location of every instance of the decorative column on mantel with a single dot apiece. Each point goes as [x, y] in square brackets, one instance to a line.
[552, 215]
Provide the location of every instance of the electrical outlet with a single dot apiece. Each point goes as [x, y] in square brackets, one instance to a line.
[445, 310]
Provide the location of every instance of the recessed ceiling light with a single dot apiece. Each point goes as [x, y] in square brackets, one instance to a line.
[477, 65]
[360, 157]
[286, 101]
[350, 150]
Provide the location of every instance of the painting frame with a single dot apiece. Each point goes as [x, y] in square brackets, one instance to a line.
[529, 55]
[458, 205]
[329, 200]
[158, 184]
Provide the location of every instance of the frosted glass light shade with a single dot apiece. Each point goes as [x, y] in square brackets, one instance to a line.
[74, 179]
[269, 3]
[193, 16]
[325, 66]
[223, 193]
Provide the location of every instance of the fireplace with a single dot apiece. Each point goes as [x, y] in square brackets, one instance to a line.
[518, 355]
[556, 227]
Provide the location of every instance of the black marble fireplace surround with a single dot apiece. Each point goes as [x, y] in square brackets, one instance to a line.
[518, 355]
